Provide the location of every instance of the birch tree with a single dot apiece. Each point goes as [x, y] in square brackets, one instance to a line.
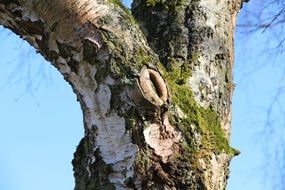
[154, 85]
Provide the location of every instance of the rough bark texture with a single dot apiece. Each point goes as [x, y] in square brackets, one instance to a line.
[155, 90]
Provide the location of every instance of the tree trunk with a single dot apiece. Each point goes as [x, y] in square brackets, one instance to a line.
[155, 89]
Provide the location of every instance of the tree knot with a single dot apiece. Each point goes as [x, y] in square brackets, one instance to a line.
[152, 87]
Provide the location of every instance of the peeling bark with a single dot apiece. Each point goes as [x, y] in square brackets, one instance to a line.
[155, 92]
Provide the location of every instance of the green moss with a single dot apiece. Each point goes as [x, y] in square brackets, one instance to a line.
[128, 15]
[169, 5]
[130, 120]
[117, 2]
[207, 121]
[142, 58]
[143, 160]
[194, 57]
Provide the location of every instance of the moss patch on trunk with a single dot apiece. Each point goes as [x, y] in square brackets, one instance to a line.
[206, 122]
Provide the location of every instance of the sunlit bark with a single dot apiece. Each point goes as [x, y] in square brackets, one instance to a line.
[155, 90]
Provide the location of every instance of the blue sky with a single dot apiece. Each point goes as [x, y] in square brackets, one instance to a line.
[41, 122]
[40, 126]
[259, 76]
[255, 89]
